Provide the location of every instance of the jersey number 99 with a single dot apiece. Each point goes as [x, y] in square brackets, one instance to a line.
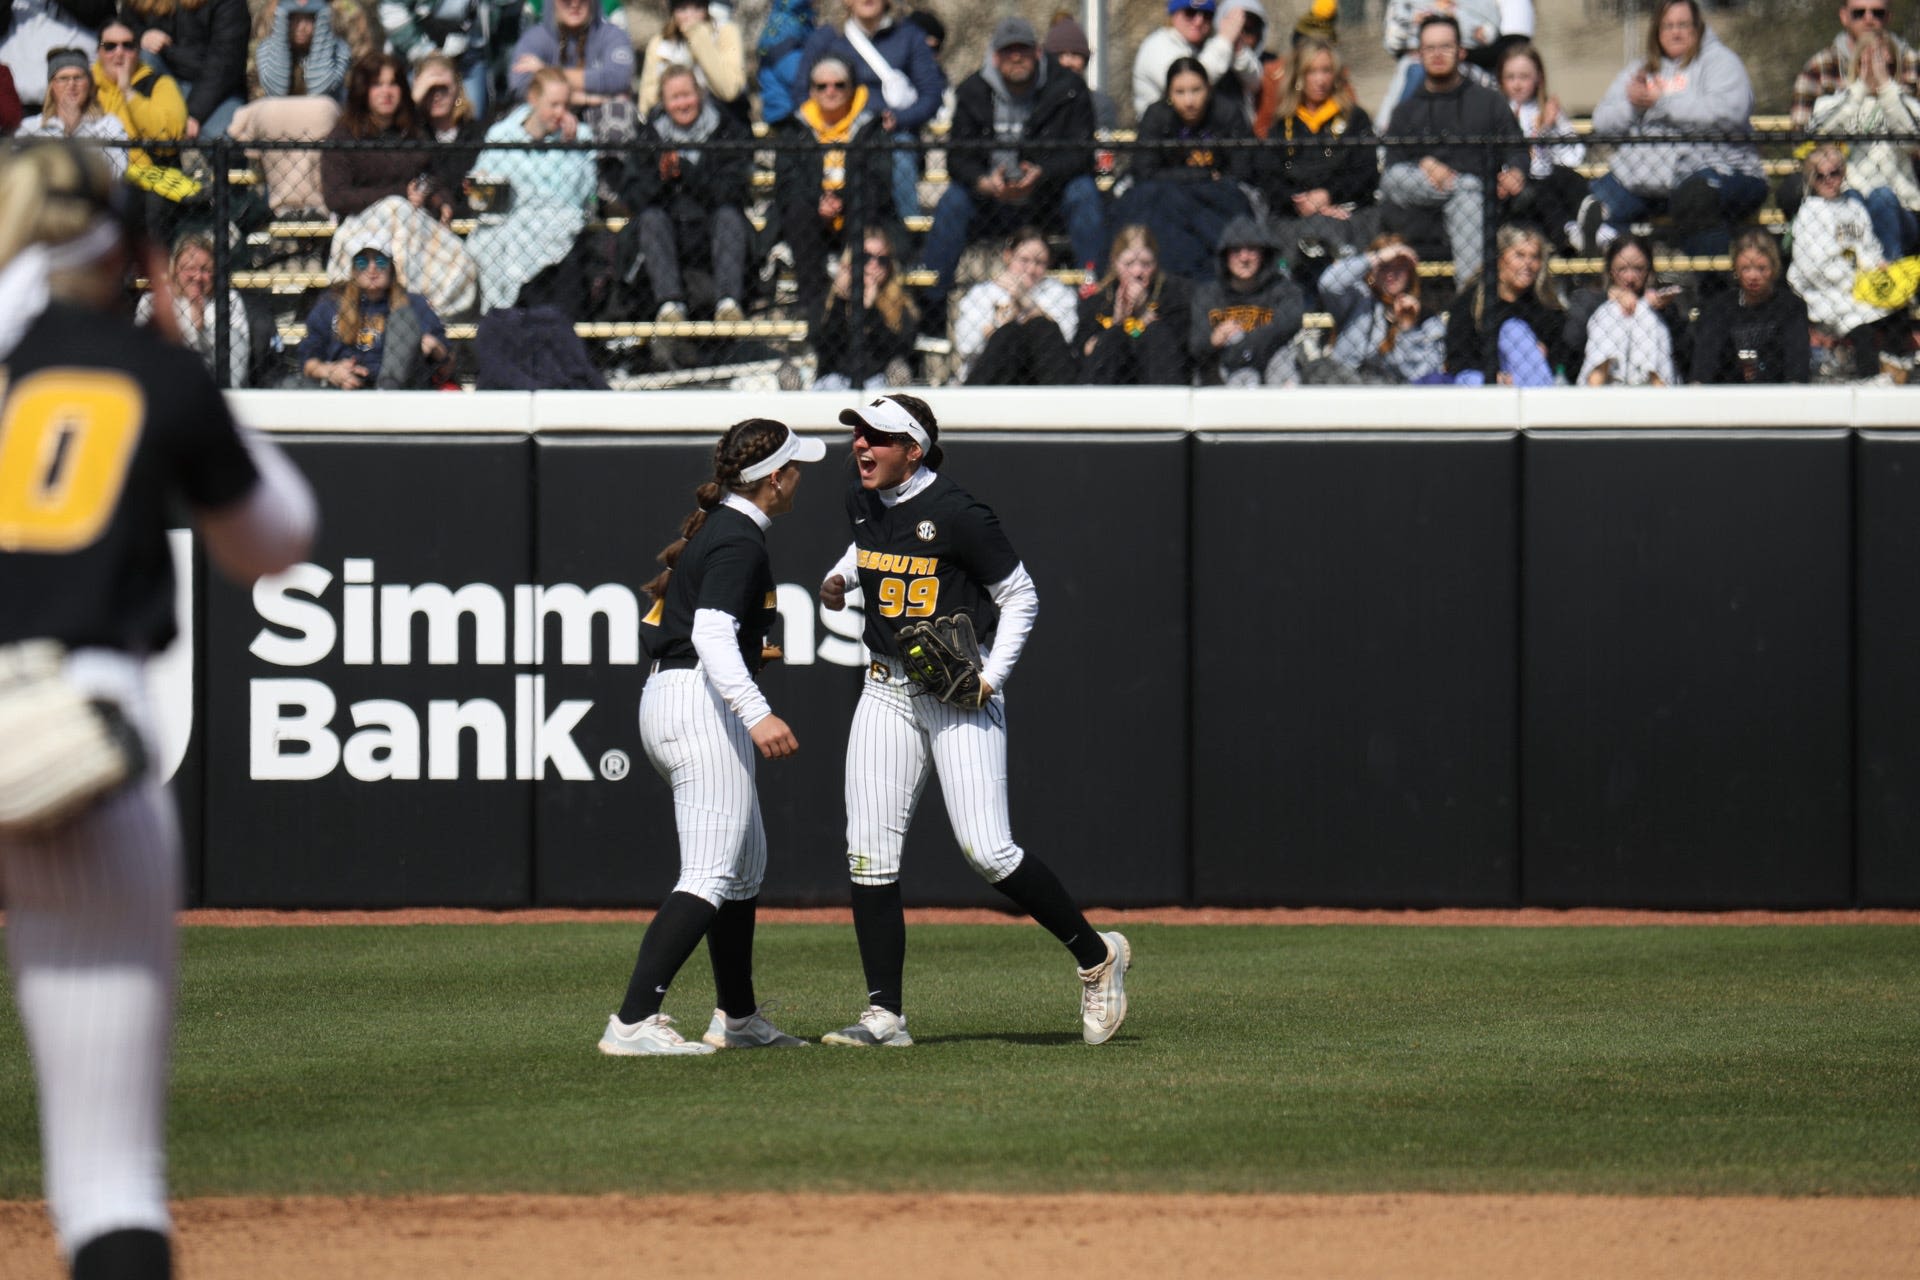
[67, 437]
[916, 598]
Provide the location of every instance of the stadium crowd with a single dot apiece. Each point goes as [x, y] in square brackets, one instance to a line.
[518, 169]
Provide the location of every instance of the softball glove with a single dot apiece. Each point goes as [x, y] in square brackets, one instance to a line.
[942, 655]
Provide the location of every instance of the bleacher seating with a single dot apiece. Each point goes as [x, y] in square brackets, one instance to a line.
[285, 260]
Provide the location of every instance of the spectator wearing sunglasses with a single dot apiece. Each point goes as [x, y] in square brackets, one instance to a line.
[1834, 67]
[833, 177]
[1878, 173]
[1833, 241]
[1191, 32]
[1829, 70]
[371, 332]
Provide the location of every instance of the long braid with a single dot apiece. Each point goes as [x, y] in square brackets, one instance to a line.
[744, 444]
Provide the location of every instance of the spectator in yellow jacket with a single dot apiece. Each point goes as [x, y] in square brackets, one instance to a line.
[148, 105]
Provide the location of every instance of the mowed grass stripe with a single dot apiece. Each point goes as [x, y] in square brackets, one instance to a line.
[1622, 1060]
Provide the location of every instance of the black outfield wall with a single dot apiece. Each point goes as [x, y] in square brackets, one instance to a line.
[1347, 668]
[1353, 690]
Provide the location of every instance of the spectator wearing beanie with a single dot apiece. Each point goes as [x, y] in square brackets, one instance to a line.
[1066, 43]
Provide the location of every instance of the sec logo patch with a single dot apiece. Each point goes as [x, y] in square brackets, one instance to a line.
[925, 530]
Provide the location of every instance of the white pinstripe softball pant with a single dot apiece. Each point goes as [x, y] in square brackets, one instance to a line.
[91, 950]
[896, 738]
[707, 756]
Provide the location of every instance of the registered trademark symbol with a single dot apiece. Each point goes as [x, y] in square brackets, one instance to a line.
[614, 765]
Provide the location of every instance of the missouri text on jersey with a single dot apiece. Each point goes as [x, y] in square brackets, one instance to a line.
[313, 621]
[887, 562]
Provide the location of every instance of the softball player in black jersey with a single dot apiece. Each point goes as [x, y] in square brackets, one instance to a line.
[101, 427]
[702, 717]
[923, 548]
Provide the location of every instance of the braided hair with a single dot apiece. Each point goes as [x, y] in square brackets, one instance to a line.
[933, 455]
[744, 444]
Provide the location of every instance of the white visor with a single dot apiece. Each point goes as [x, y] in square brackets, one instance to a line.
[888, 416]
[793, 449]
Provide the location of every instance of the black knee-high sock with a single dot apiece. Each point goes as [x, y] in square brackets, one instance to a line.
[1038, 892]
[730, 947]
[880, 924]
[130, 1254]
[669, 940]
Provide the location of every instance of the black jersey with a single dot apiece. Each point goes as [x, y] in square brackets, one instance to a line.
[102, 426]
[933, 555]
[723, 566]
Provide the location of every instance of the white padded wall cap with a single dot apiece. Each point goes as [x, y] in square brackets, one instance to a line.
[1082, 409]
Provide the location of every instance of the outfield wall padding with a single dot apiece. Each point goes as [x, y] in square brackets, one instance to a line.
[1518, 656]
[1685, 737]
[406, 513]
[1887, 679]
[1354, 616]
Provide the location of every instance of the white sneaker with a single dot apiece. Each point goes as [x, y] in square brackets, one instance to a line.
[670, 312]
[1103, 992]
[726, 311]
[877, 1026]
[653, 1035]
[750, 1032]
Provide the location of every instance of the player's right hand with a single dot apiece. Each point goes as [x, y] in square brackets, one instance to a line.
[833, 593]
[773, 738]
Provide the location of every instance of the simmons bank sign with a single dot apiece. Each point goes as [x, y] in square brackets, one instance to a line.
[320, 625]
[518, 726]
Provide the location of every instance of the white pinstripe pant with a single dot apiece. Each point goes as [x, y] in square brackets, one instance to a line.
[707, 756]
[90, 943]
[895, 738]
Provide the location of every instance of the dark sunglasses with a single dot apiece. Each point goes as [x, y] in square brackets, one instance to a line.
[1858, 14]
[363, 260]
[109, 46]
[1828, 175]
[880, 439]
[829, 84]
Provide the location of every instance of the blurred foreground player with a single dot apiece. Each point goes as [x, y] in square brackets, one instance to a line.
[102, 427]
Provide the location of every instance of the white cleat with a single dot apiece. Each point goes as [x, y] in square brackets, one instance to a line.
[1103, 991]
[649, 1036]
[877, 1026]
[750, 1032]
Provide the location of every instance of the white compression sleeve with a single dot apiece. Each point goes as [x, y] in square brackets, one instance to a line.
[715, 639]
[1019, 602]
[848, 567]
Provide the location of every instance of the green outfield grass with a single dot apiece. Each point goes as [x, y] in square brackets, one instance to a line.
[1616, 1060]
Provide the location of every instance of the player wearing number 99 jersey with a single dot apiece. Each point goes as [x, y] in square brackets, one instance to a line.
[102, 425]
[924, 548]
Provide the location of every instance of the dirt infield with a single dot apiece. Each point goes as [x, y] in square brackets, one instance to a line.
[935, 1237]
[1525, 917]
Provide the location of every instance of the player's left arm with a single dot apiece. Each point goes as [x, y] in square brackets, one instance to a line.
[1019, 602]
[254, 510]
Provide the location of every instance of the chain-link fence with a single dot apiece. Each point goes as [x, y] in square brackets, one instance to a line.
[782, 261]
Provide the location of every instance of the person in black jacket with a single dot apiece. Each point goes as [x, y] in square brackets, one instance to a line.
[1132, 331]
[203, 45]
[1005, 167]
[832, 176]
[1756, 332]
[887, 321]
[691, 197]
[1319, 181]
[1510, 330]
[1186, 186]
[1244, 321]
[1452, 178]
